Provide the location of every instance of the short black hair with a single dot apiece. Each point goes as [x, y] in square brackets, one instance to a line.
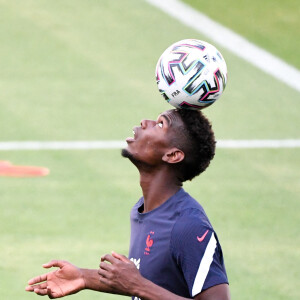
[197, 140]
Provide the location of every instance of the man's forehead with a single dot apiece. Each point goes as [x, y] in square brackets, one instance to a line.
[172, 116]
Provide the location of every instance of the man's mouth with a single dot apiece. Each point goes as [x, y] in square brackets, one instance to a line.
[132, 139]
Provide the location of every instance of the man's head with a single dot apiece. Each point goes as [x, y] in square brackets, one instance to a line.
[181, 140]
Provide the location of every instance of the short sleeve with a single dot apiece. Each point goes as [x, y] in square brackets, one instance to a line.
[197, 252]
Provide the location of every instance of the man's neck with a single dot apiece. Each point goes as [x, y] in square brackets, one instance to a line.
[158, 187]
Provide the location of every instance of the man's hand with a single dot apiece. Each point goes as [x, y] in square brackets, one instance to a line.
[119, 273]
[67, 280]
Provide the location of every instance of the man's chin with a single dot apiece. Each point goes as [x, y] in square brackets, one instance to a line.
[125, 153]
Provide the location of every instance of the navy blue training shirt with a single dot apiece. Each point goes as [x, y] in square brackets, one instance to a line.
[175, 246]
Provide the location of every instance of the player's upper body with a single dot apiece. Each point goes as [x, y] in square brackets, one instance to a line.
[172, 240]
[175, 246]
[176, 147]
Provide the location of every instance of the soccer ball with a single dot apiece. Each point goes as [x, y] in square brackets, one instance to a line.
[191, 74]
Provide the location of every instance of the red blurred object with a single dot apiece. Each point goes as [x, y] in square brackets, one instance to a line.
[10, 170]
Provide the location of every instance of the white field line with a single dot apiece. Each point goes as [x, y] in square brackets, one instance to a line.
[250, 144]
[231, 41]
[62, 145]
[96, 145]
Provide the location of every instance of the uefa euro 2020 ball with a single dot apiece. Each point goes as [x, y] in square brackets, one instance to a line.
[191, 74]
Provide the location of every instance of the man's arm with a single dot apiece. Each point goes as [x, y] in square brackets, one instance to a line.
[119, 273]
[67, 280]
[217, 292]
[120, 276]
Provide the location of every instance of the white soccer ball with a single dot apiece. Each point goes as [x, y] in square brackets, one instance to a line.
[191, 74]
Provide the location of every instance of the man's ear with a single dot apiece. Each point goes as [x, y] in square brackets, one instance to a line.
[173, 156]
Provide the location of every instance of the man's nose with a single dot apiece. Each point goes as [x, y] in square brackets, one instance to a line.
[147, 123]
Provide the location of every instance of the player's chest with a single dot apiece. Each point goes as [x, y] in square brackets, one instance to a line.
[150, 246]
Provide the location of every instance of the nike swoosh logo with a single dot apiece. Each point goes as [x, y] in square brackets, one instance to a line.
[200, 239]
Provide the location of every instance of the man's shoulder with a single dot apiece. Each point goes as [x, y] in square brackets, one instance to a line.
[190, 209]
[188, 202]
[191, 216]
[191, 230]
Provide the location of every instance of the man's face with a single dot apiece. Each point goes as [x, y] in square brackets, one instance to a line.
[152, 139]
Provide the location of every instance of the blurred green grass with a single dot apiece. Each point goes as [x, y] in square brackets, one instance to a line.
[81, 211]
[74, 70]
[272, 24]
[66, 65]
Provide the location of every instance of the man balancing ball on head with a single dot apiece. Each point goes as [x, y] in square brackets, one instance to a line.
[174, 251]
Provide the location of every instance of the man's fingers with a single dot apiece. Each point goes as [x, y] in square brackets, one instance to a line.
[120, 257]
[38, 279]
[105, 266]
[41, 292]
[31, 288]
[45, 292]
[109, 258]
[104, 280]
[54, 263]
[41, 278]
[103, 273]
[52, 294]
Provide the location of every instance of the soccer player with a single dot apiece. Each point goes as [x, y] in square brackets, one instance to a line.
[174, 250]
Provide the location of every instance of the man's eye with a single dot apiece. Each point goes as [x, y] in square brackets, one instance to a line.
[160, 124]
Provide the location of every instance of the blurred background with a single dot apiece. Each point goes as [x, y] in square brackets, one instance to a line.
[85, 70]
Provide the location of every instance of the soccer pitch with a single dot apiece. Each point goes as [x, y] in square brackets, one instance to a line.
[84, 70]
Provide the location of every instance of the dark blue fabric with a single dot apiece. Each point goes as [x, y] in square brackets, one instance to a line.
[168, 243]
